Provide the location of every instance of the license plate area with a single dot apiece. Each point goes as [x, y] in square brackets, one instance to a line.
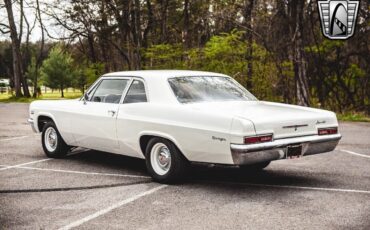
[294, 151]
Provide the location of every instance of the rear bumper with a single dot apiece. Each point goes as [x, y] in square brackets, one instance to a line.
[31, 122]
[277, 149]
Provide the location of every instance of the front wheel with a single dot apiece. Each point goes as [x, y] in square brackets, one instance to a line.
[52, 142]
[164, 161]
[255, 167]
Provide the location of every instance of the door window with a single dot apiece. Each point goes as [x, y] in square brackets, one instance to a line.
[110, 91]
[136, 93]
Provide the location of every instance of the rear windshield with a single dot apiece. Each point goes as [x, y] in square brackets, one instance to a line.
[208, 88]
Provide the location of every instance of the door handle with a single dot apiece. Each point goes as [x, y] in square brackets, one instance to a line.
[111, 112]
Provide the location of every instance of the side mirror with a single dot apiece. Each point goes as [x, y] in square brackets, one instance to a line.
[85, 98]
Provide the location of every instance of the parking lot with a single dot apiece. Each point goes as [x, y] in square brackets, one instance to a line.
[96, 190]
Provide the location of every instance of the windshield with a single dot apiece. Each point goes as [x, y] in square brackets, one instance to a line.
[208, 88]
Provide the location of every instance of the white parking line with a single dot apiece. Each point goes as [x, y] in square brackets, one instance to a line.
[313, 188]
[353, 153]
[27, 163]
[108, 209]
[294, 187]
[85, 173]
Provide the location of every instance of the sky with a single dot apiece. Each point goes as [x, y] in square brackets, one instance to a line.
[30, 12]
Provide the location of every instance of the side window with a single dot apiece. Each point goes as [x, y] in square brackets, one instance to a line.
[136, 93]
[109, 91]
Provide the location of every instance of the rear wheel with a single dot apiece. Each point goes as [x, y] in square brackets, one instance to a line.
[255, 167]
[52, 142]
[164, 161]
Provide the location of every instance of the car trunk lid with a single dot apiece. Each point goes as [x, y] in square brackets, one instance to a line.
[280, 119]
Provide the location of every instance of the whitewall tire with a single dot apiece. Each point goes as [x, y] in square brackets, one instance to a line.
[164, 161]
[52, 142]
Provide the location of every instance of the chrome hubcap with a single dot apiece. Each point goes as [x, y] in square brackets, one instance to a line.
[160, 157]
[51, 139]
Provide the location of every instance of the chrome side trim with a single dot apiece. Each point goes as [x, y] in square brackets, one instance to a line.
[294, 126]
[277, 149]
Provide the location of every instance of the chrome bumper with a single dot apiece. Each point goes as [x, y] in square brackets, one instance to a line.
[277, 149]
[30, 121]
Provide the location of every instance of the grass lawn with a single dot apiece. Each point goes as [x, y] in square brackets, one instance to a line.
[45, 96]
[353, 117]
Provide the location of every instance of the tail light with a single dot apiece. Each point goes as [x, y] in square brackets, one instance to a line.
[258, 139]
[328, 131]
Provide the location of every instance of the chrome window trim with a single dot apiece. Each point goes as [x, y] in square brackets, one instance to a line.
[101, 79]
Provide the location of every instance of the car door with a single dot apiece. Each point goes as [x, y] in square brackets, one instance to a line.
[130, 121]
[94, 123]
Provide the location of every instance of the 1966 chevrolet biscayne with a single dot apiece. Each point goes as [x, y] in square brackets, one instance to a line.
[171, 118]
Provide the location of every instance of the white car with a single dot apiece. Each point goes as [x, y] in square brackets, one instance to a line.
[171, 118]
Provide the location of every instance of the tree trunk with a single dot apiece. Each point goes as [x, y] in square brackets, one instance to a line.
[297, 54]
[26, 91]
[186, 35]
[151, 23]
[61, 90]
[248, 10]
[39, 58]
[137, 33]
[90, 41]
[16, 53]
[164, 11]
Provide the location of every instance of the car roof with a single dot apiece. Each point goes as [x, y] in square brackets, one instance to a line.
[157, 85]
[162, 73]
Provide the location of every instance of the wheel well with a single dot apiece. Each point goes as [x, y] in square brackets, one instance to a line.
[41, 121]
[144, 140]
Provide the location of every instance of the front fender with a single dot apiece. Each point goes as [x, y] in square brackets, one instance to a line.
[46, 114]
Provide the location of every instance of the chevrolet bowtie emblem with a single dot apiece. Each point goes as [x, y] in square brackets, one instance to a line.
[295, 127]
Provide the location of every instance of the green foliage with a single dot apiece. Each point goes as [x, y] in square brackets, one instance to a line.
[353, 117]
[93, 72]
[354, 71]
[57, 70]
[264, 77]
[340, 81]
[224, 53]
[164, 56]
[326, 46]
[287, 69]
[87, 74]
[80, 79]
[32, 72]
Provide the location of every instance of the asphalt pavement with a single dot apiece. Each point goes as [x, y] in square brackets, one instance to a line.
[97, 190]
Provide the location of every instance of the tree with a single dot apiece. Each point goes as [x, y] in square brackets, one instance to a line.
[274, 47]
[57, 71]
[248, 17]
[17, 59]
[80, 80]
[32, 73]
[38, 61]
[87, 74]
